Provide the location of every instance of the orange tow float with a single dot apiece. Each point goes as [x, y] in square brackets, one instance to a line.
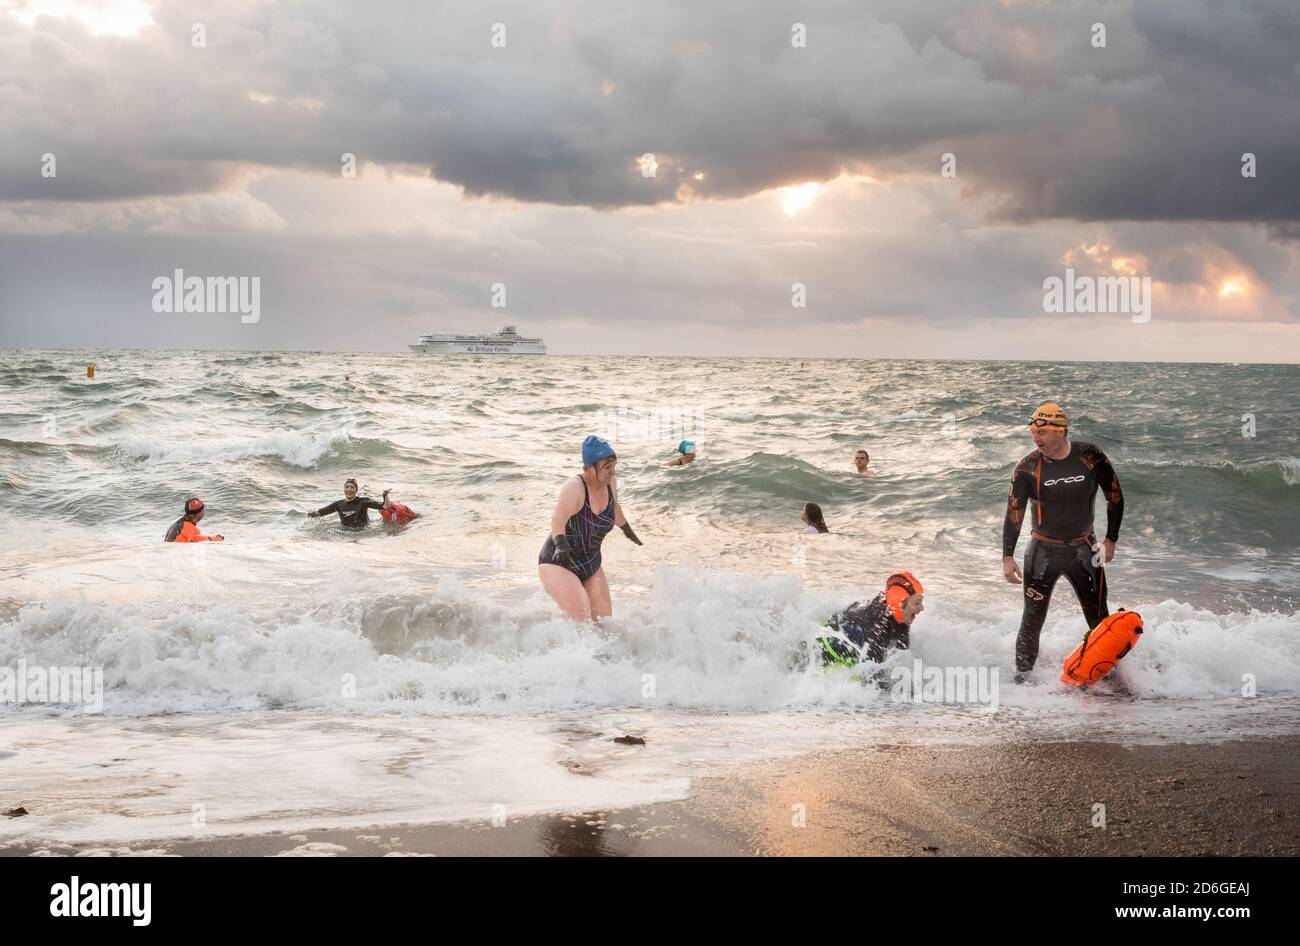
[1102, 648]
[398, 513]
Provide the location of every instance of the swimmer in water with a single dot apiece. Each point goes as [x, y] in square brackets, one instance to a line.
[569, 564]
[860, 461]
[872, 630]
[813, 520]
[351, 508]
[186, 528]
[685, 454]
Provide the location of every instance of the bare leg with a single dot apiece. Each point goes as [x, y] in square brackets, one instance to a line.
[566, 590]
[598, 594]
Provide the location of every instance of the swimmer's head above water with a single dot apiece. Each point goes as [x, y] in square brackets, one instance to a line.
[1049, 427]
[905, 596]
[812, 516]
[598, 459]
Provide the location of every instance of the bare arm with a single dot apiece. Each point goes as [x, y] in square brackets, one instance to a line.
[620, 520]
[568, 503]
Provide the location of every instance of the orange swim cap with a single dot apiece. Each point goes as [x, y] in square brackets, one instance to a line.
[1049, 415]
[898, 588]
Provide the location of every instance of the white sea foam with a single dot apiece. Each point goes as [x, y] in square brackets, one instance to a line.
[297, 448]
[691, 641]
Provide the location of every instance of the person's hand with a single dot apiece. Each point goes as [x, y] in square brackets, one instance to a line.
[1107, 551]
[218, 538]
[313, 514]
[563, 554]
[1011, 571]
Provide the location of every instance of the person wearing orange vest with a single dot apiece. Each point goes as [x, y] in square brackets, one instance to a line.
[1061, 478]
[186, 528]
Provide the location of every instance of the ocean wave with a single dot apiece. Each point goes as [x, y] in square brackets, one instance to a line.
[1287, 469]
[707, 640]
[293, 447]
[758, 477]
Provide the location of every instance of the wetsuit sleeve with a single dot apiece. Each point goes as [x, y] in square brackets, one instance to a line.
[372, 503]
[1017, 502]
[884, 633]
[1108, 480]
[327, 510]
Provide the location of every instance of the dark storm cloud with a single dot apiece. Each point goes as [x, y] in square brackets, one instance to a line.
[1151, 127]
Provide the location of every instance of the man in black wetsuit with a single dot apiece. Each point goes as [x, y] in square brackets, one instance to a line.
[1062, 479]
[351, 508]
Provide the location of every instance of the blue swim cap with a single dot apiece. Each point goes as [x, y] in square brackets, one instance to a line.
[686, 446]
[595, 449]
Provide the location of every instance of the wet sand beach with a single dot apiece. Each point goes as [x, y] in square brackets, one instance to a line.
[1232, 798]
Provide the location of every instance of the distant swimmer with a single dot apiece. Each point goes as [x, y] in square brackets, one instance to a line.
[813, 520]
[569, 563]
[186, 528]
[351, 508]
[685, 454]
[861, 459]
[1062, 479]
[871, 631]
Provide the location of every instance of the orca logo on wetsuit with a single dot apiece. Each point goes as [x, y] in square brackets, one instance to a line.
[1065, 479]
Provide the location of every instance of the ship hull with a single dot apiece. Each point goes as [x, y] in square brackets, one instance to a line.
[458, 348]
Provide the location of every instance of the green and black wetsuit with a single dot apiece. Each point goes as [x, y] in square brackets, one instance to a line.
[870, 632]
[1061, 537]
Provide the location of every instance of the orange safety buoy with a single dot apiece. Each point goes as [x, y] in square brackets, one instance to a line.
[1102, 648]
[398, 513]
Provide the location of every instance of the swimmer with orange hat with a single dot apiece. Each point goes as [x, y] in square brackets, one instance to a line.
[1057, 485]
[186, 528]
[871, 631]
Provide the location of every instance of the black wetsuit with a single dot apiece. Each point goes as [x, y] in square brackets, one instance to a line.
[872, 632]
[352, 512]
[586, 530]
[1062, 540]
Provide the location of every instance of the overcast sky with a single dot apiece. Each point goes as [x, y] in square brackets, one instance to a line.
[514, 156]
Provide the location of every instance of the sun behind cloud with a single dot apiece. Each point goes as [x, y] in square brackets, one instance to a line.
[1235, 286]
[102, 17]
[800, 197]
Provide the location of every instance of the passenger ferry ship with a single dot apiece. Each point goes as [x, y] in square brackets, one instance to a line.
[506, 341]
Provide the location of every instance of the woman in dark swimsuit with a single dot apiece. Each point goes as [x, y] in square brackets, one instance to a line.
[569, 563]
